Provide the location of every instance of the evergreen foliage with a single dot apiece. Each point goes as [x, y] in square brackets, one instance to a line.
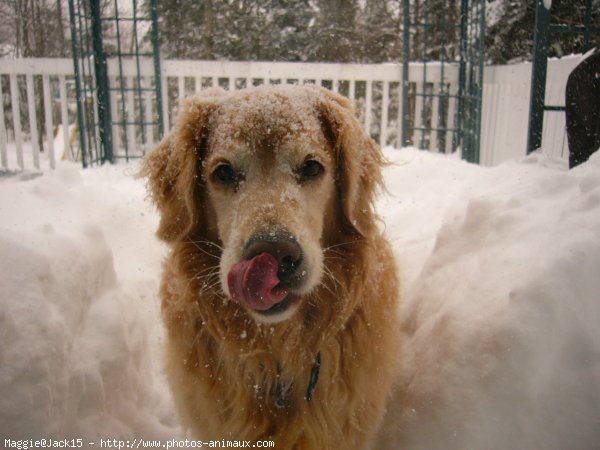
[34, 28]
[366, 31]
[510, 29]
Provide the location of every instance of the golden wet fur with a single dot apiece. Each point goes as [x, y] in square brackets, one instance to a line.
[236, 376]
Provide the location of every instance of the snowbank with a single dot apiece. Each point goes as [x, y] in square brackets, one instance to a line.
[501, 305]
[501, 301]
[78, 311]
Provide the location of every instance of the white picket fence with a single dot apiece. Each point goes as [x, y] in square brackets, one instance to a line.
[375, 88]
[59, 70]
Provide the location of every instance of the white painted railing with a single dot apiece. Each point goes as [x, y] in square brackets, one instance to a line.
[33, 85]
[357, 81]
[376, 88]
[59, 70]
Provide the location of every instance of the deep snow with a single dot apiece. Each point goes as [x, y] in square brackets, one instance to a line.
[501, 297]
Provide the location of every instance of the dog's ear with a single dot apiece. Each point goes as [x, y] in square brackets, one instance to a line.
[359, 162]
[172, 169]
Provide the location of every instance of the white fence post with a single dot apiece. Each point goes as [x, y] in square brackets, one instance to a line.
[3, 150]
[16, 110]
[32, 120]
[64, 115]
[385, 104]
[49, 122]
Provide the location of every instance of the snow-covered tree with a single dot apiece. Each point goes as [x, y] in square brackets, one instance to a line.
[34, 28]
[235, 30]
[379, 27]
[511, 28]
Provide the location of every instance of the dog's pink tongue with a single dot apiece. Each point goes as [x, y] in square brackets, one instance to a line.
[254, 282]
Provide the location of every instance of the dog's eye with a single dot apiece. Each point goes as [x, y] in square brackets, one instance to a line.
[226, 174]
[310, 170]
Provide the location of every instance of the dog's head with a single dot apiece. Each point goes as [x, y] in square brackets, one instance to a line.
[272, 177]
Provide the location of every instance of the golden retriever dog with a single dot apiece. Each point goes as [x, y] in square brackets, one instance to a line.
[280, 293]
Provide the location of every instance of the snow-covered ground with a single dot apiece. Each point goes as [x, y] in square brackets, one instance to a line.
[501, 295]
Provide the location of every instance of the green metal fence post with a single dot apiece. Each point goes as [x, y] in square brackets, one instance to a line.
[78, 92]
[405, 72]
[431, 39]
[538, 76]
[587, 25]
[102, 92]
[462, 80]
[479, 86]
[157, 72]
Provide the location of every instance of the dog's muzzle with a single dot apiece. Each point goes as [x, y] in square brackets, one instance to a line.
[268, 274]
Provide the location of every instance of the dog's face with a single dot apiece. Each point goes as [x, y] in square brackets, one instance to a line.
[273, 177]
[269, 178]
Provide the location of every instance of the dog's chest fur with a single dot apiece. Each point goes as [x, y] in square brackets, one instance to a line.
[241, 380]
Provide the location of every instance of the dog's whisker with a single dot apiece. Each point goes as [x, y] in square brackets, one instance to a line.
[330, 257]
[327, 270]
[206, 287]
[209, 287]
[209, 281]
[207, 278]
[199, 247]
[341, 244]
[334, 254]
[210, 243]
[208, 271]
[331, 291]
[331, 276]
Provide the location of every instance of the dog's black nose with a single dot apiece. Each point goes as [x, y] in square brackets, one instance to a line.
[284, 247]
